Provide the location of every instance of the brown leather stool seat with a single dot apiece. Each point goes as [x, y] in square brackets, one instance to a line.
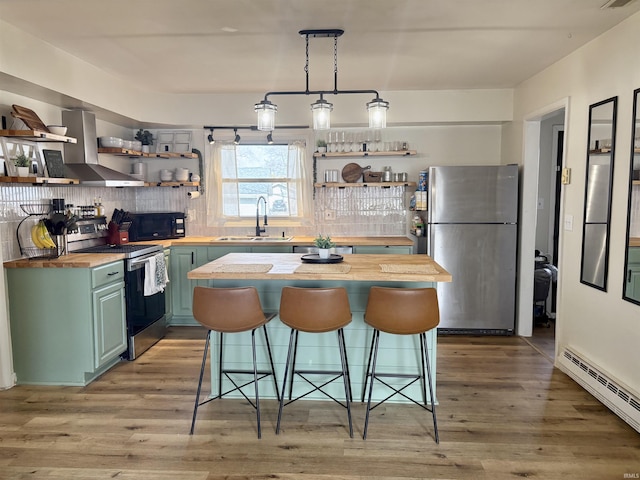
[315, 310]
[232, 310]
[402, 311]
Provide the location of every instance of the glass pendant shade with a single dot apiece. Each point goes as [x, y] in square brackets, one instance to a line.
[321, 114]
[377, 113]
[266, 115]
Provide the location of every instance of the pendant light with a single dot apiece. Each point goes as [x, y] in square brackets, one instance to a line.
[266, 115]
[321, 114]
[321, 109]
[377, 113]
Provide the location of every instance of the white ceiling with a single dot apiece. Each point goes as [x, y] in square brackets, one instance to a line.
[218, 46]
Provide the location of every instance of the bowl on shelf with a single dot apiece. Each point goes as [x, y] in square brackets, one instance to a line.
[166, 175]
[57, 129]
[182, 174]
[128, 144]
[136, 145]
[111, 142]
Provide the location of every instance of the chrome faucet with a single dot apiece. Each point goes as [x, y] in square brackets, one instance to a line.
[258, 229]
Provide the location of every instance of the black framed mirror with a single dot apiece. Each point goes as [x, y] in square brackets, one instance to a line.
[631, 287]
[594, 264]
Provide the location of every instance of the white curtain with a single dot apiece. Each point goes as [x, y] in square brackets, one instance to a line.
[221, 165]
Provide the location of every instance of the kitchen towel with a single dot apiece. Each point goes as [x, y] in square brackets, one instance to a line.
[155, 275]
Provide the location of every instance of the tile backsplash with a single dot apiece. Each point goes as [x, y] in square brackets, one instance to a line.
[358, 211]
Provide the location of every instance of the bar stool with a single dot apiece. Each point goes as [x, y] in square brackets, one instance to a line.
[401, 311]
[315, 310]
[232, 310]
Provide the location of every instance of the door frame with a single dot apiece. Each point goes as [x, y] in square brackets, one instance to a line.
[529, 208]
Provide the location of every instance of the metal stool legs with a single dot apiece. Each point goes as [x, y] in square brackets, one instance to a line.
[222, 371]
[424, 376]
[344, 373]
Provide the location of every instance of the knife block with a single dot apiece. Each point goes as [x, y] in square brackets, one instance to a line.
[116, 236]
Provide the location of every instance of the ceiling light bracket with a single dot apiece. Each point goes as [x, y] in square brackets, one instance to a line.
[266, 110]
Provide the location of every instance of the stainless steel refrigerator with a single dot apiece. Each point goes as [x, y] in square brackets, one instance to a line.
[472, 232]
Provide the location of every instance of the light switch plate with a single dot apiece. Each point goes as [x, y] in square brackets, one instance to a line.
[329, 214]
[566, 176]
[568, 223]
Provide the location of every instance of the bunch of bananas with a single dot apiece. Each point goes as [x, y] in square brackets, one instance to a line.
[40, 236]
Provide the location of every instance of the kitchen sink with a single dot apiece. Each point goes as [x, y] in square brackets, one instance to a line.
[272, 239]
[253, 239]
[234, 239]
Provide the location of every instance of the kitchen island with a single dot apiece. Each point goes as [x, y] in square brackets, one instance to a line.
[269, 272]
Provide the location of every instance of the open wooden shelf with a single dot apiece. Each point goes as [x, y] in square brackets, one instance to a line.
[40, 180]
[134, 153]
[36, 136]
[395, 153]
[171, 184]
[365, 184]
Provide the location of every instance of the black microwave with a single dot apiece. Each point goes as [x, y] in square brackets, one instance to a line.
[156, 226]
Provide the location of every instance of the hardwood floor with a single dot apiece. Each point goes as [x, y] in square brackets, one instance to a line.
[504, 412]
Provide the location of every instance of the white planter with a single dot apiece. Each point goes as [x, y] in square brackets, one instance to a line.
[324, 252]
[23, 171]
[145, 148]
[322, 149]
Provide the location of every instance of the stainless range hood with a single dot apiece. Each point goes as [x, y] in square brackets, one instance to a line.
[81, 159]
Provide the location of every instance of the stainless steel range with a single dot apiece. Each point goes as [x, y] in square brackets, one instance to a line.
[146, 322]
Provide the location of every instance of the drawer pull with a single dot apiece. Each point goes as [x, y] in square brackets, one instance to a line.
[110, 274]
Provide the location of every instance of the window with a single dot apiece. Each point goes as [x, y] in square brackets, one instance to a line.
[244, 173]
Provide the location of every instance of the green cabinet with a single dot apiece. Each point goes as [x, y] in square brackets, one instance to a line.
[185, 259]
[168, 299]
[632, 286]
[67, 324]
[383, 249]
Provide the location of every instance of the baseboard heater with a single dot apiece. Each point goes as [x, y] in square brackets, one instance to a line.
[474, 331]
[615, 396]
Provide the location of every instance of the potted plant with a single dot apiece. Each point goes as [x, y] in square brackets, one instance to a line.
[22, 163]
[324, 245]
[146, 138]
[322, 145]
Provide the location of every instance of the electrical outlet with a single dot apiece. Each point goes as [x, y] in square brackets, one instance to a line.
[566, 176]
[329, 214]
[191, 214]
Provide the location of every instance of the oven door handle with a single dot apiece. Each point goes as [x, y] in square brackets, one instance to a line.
[137, 263]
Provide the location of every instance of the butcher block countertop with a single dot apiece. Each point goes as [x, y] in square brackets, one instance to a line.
[296, 240]
[90, 260]
[355, 267]
[73, 260]
[634, 241]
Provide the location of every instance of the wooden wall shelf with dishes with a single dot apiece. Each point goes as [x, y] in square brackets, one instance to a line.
[172, 184]
[600, 151]
[134, 153]
[365, 184]
[37, 136]
[40, 180]
[394, 153]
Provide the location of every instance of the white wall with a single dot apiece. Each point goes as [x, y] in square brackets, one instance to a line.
[597, 324]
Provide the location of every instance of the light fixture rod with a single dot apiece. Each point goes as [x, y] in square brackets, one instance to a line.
[250, 127]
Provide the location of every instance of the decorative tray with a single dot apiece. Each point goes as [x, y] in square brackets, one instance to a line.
[315, 258]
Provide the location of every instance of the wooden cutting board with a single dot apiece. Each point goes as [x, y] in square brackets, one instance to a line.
[352, 172]
[30, 118]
